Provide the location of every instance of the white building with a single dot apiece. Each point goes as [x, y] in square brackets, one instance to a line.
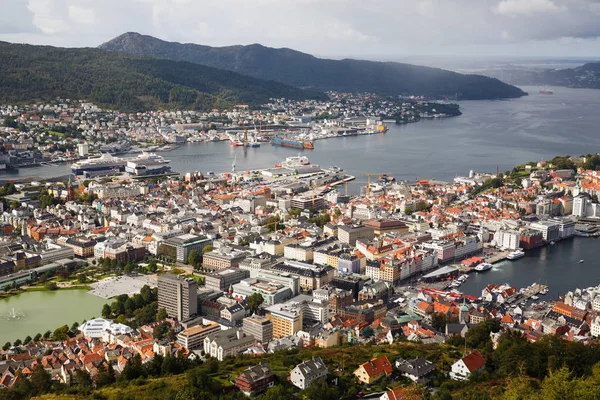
[595, 328]
[82, 149]
[305, 373]
[507, 239]
[466, 366]
[550, 229]
[105, 329]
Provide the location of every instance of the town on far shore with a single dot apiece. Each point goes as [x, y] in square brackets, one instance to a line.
[255, 276]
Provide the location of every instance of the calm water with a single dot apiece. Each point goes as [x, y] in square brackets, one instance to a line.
[556, 266]
[499, 133]
[41, 311]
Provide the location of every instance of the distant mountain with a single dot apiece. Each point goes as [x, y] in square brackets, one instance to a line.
[127, 82]
[304, 70]
[585, 76]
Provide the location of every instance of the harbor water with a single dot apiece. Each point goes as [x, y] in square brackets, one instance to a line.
[489, 134]
[555, 265]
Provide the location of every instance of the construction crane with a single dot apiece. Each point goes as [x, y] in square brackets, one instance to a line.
[369, 179]
[352, 183]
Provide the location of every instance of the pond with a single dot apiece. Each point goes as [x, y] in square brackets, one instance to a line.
[30, 313]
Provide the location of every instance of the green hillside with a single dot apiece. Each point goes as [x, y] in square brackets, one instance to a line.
[304, 70]
[125, 82]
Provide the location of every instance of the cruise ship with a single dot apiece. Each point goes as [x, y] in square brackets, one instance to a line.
[148, 164]
[516, 255]
[106, 163]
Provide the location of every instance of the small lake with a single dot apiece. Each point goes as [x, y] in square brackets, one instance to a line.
[37, 312]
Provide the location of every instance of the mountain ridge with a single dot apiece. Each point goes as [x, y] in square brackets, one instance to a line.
[128, 82]
[304, 70]
[586, 76]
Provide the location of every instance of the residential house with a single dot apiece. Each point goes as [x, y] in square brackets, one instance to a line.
[305, 373]
[467, 366]
[373, 370]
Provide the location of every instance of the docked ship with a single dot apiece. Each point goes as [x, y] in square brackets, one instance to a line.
[546, 91]
[294, 162]
[148, 164]
[296, 144]
[105, 164]
[516, 255]
[483, 267]
[236, 142]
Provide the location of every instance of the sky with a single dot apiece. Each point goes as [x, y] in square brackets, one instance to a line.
[375, 29]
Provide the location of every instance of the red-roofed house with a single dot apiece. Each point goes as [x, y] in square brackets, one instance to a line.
[468, 365]
[373, 370]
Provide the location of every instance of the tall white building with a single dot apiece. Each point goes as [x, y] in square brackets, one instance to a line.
[507, 239]
[83, 149]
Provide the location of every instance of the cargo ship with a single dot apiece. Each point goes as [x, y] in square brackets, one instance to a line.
[296, 144]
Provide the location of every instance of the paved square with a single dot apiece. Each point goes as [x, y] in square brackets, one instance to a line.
[118, 285]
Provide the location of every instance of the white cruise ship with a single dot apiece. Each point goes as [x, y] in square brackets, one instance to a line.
[516, 255]
[148, 164]
[104, 163]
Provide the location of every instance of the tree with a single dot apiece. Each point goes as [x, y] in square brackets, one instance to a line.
[27, 340]
[161, 314]
[75, 326]
[161, 330]
[6, 346]
[15, 204]
[106, 311]
[152, 265]
[84, 380]
[51, 286]
[61, 333]
[47, 334]
[194, 258]
[41, 380]
[254, 301]
[438, 322]
[37, 337]
[17, 343]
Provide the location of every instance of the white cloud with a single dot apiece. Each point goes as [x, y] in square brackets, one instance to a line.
[337, 28]
[528, 7]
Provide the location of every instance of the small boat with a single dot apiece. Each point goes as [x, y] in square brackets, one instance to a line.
[516, 255]
[483, 267]
[534, 297]
[546, 91]
[580, 261]
[552, 243]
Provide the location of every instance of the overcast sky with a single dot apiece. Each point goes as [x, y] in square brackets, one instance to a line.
[380, 29]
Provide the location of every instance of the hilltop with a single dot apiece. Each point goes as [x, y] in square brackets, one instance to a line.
[304, 70]
[127, 82]
[585, 76]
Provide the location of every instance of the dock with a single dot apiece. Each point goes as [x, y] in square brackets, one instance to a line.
[527, 294]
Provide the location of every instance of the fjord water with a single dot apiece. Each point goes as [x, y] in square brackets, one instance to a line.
[556, 265]
[489, 134]
[37, 312]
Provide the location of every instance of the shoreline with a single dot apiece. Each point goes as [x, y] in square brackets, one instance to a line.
[16, 292]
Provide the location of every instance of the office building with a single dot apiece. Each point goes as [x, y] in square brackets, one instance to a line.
[349, 234]
[221, 259]
[178, 247]
[258, 327]
[178, 296]
[223, 280]
[193, 337]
